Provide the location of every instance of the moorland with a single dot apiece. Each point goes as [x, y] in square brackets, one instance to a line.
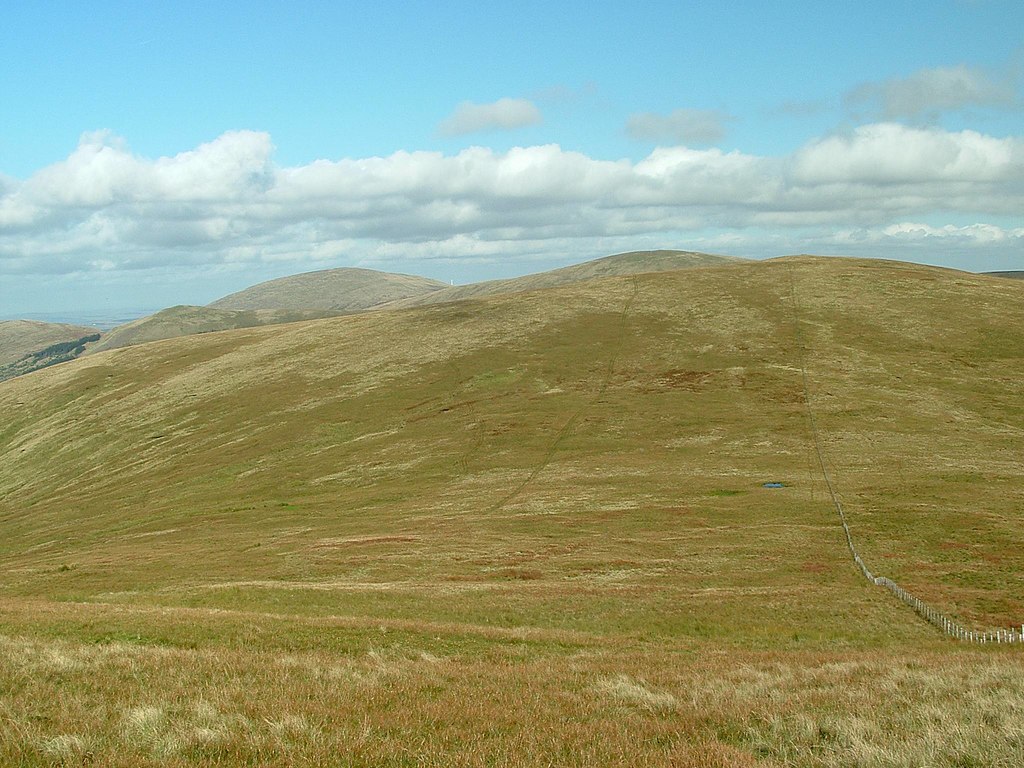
[529, 527]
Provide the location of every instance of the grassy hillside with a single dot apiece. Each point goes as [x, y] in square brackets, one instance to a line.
[19, 338]
[634, 262]
[186, 320]
[345, 290]
[530, 529]
[28, 345]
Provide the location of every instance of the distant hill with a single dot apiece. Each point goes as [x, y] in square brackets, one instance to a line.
[27, 345]
[21, 337]
[345, 290]
[186, 320]
[631, 263]
[1017, 274]
[341, 290]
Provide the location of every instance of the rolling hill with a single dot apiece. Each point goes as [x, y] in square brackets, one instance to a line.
[346, 289]
[529, 528]
[19, 338]
[186, 320]
[28, 345]
[330, 292]
[633, 262]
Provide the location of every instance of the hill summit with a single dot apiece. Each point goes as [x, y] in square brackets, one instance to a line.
[346, 289]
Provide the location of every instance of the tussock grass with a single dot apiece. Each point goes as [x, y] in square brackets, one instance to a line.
[624, 688]
[511, 706]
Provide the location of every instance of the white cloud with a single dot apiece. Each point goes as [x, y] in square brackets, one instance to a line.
[101, 171]
[929, 92]
[226, 202]
[887, 153]
[973, 234]
[681, 126]
[502, 115]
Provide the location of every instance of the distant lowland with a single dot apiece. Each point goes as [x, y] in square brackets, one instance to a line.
[1013, 274]
[101, 319]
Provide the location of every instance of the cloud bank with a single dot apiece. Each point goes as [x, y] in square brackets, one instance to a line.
[226, 202]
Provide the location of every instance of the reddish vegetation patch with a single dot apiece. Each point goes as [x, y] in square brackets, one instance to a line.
[713, 754]
[683, 379]
[990, 557]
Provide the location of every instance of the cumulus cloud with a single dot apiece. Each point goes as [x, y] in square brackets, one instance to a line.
[226, 202]
[681, 126]
[889, 153]
[501, 115]
[929, 92]
[973, 234]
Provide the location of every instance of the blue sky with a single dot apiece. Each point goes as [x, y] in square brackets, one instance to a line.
[159, 155]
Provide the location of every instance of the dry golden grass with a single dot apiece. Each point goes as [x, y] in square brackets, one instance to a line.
[529, 530]
[394, 703]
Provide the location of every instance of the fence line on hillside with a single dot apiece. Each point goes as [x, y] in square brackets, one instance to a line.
[932, 615]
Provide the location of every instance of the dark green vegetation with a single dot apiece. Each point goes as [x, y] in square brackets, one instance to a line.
[528, 529]
[27, 346]
[21, 338]
[1013, 274]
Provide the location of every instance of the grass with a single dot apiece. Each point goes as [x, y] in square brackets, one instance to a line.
[528, 530]
[397, 703]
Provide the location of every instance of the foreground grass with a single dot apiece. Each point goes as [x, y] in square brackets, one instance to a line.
[417, 698]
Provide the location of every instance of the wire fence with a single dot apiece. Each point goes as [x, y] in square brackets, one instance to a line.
[932, 615]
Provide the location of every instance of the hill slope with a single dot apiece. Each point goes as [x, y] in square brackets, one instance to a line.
[562, 403]
[186, 320]
[19, 338]
[343, 290]
[337, 291]
[28, 345]
[534, 524]
[633, 262]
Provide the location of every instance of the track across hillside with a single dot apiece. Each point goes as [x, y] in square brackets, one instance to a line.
[571, 422]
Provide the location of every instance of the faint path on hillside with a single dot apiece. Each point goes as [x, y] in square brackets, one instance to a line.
[927, 612]
[570, 424]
